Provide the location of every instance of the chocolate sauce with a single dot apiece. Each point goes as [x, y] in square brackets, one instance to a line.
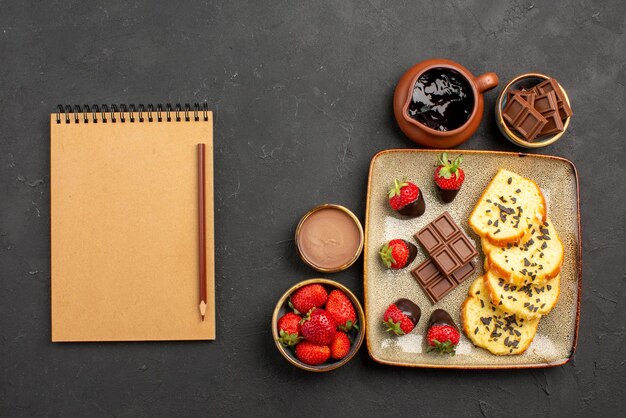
[442, 99]
[415, 208]
[441, 317]
[410, 309]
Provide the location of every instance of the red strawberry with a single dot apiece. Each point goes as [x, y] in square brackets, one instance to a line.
[308, 297]
[318, 327]
[339, 307]
[289, 329]
[312, 354]
[401, 317]
[398, 253]
[406, 199]
[443, 335]
[449, 177]
[340, 347]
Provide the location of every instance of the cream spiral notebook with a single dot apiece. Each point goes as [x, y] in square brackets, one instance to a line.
[124, 223]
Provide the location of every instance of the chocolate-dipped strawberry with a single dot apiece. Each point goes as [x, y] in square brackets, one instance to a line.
[401, 317]
[449, 177]
[397, 254]
[443, 335]
[406, 199]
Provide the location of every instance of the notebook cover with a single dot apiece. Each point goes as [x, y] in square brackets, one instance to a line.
[124, 230]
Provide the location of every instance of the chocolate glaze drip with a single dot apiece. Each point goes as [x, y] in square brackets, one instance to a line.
[410, 309]
[447, 196]
[441, 317]
[415, 208]
[412, 252]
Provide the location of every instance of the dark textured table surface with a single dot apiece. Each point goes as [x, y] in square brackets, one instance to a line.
[302, 99]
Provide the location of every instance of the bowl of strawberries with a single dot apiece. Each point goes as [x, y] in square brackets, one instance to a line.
[318, 325]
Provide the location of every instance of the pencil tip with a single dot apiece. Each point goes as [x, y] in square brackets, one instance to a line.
[202, 318]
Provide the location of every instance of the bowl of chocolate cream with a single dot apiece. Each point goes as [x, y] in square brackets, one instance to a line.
[329, 238]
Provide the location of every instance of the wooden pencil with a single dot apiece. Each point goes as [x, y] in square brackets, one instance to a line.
[202, 229]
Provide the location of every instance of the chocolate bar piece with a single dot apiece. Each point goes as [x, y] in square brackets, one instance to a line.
[522, 116]
[528, 95]
[514, 109]
[564, 110]
[509, 95]
[554, 124]
[435, 284]
[546, 103]
[530, 124]
[551, 85]
[448, 246]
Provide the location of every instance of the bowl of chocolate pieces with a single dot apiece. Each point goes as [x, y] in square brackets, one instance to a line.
[533, 110]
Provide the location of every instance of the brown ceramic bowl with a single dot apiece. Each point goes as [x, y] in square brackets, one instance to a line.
[425, 136]
[526, 81]
[357, 336]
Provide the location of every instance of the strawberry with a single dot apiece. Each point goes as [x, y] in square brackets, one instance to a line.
[339, 307]
[401, 316]
[340, 347]
[308, 297]
[289, 329]
[443, 335]
[406, 199]
[449, 177]
[312, 354]
[443, 339]
[318, 327]
[398, 253]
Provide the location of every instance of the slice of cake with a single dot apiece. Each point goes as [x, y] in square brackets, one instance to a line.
[529, 301]
[507, 206]
[490, 327]
[535, 259]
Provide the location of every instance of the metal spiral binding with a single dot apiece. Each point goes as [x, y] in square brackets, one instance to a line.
[131, 113]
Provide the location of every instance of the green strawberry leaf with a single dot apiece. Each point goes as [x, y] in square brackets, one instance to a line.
[397, 187]
[307, 317]
[448, 168]
[287, 339]
[293, 307]
[349, 325]
[386, 254]
[393, 327]
[443, 348]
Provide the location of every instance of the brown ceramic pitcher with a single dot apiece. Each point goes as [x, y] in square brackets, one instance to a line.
[425, 135]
